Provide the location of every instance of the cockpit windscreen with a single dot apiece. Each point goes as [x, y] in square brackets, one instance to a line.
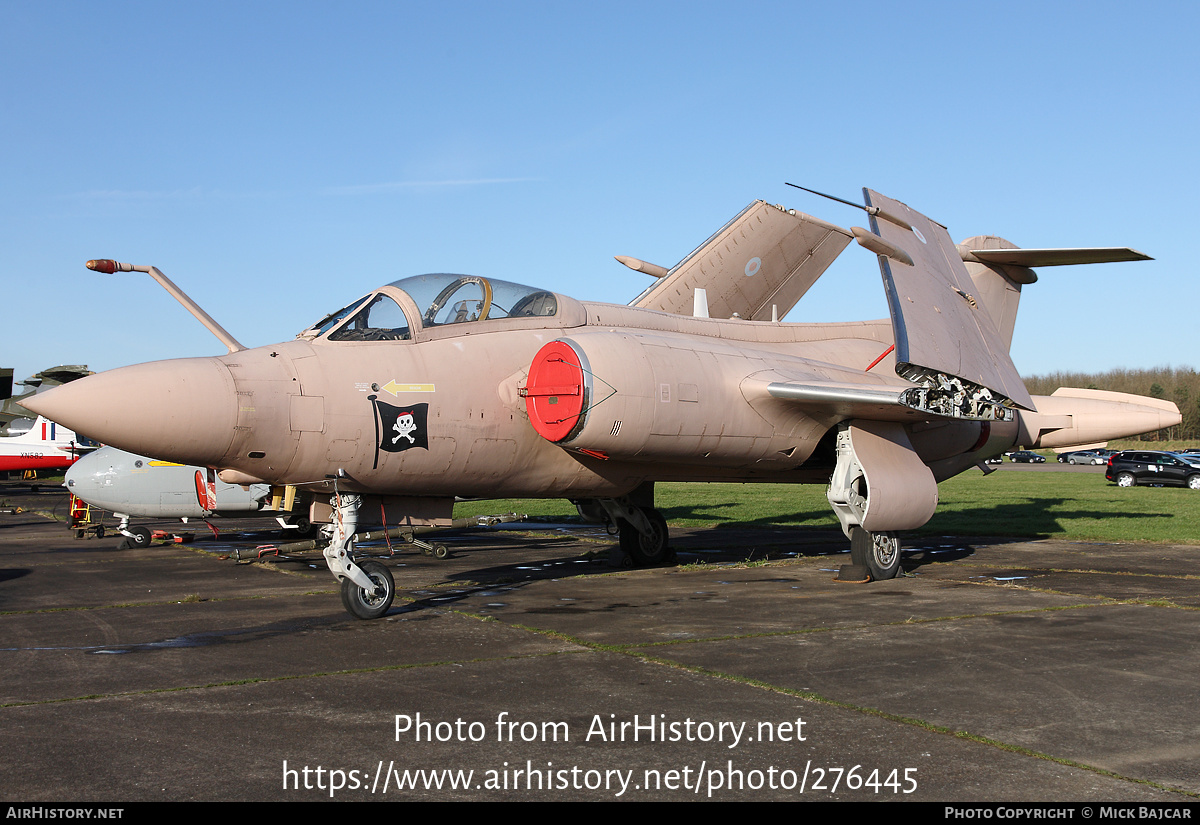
[442, 299]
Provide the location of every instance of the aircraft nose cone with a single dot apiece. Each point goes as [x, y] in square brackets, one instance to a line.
[85, 478]
[78, 480]
[183, 410]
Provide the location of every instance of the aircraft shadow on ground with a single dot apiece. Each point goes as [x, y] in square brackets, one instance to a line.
[791, 535]
[783, 521]
[1036, 518]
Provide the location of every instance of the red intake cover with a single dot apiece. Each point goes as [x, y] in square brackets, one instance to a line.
[554, 391]
[206, 493]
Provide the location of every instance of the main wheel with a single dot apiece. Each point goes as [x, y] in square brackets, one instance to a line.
[878, 552]
[646, 551]
[139, 537]
[1126, 480]
[363, 604]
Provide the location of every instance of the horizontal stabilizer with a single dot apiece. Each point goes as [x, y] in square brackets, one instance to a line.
[1055, 257]
[766, 257]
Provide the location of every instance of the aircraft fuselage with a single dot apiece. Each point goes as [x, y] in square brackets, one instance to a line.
[671, 399]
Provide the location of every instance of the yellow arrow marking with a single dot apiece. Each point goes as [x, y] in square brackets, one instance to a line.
[396, 389]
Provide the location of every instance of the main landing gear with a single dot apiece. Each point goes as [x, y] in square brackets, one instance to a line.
[902, 497]
[643, 531]
[879, 553]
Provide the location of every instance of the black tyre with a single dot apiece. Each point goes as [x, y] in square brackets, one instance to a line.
[1193, 482]
[363, 604]
[878, 552]
[1126, 480]
[304, 529]
[139, 537]
[647, 551]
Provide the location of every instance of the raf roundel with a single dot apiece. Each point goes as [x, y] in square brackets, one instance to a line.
[752, 267]
[554, 393]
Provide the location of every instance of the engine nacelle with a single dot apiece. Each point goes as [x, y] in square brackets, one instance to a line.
[649, 397]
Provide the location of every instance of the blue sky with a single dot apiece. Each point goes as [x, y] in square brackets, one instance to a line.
[279, 159]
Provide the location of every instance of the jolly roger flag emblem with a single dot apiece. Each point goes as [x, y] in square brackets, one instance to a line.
[399, 428]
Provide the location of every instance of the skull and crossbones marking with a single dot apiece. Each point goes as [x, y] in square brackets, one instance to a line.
[404, 427]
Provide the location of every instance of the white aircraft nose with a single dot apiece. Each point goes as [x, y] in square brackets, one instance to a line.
[182, 410]
[85, 479]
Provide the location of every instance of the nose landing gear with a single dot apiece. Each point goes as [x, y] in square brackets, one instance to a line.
[367, 587]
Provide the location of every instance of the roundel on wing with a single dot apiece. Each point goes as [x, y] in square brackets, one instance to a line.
[554, 393]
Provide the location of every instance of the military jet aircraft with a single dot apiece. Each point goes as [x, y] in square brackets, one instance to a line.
[137, 486]
[439, 386]
[11, 408]
[45, 446]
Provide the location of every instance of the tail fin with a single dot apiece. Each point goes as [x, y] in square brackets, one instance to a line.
[998, 285]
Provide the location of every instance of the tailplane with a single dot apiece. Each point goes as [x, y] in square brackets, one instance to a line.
[999, 268]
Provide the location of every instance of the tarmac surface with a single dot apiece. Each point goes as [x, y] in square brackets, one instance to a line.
[530, 665]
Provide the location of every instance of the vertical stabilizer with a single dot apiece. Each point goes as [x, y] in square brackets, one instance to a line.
[998, 285]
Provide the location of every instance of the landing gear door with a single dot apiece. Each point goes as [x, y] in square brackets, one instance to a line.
[879, 483]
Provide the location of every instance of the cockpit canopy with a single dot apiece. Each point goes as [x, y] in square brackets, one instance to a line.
[441, 299]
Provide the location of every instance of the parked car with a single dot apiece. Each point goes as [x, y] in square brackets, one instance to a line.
[1026, 457]
[1131, 467]
[1086, 457]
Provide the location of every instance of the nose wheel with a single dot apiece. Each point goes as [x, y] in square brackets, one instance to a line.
[369, 603]
[138, 536]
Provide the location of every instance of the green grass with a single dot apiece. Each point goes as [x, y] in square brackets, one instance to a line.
[1072, 506]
